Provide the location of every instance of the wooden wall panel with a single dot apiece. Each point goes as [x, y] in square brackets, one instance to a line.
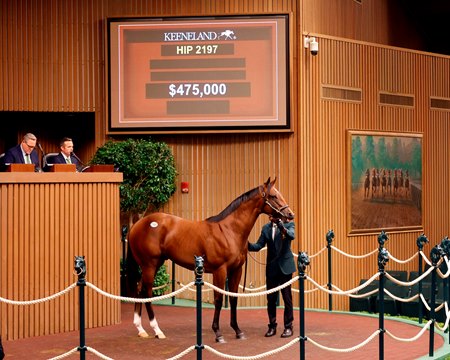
[373, 69]
[45, 222]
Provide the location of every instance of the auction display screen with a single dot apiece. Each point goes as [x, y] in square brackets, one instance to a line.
[198, 73]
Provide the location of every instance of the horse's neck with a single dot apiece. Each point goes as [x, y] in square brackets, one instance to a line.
[244, 218]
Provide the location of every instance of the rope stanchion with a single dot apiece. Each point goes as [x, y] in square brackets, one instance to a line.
[330, 237]
[80, 269]
[302, 263]
[199, 269]
[383, 258]
[435, 256]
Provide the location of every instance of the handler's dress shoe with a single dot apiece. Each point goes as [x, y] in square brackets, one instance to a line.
[271, 332]
[287, 333]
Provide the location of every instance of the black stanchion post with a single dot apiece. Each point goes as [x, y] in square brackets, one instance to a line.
[383, 258]
[302, 262]
[435, 256]
[173, 282]
[445, 245]
[421, 240]
[199, 269]
[80, 270]
[226, 296]
[123, 273]
[330, 237]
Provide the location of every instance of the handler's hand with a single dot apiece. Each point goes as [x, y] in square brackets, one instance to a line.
[281, 226]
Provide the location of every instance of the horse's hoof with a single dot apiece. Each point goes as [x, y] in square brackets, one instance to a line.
[160, 336]
[143, 334]
[241, 336]
[220, 340]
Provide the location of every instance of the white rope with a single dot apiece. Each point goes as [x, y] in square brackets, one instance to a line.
[259, 356]
[447, 318]
[62, 356]
[420, 333]
[402, 261]
[444, 276]
[99, 354]
[31, 302]
[185, 352]
[351, 291]
[365, 342]
[318, 253]
[282, 286]
[192, 290]
[412, 298]
[139, 300]
[425, 258]
[354, 256]
[410, 283]
[424, 302]
[251, 289]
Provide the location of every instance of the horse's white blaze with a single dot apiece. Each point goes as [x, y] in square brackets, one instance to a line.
[158, 333]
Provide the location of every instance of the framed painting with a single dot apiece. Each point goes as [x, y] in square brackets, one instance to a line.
[384, 181]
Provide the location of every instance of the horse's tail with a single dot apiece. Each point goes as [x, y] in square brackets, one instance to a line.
[133, 274]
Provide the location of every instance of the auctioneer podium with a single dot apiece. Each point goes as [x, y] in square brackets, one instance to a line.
[46, 219]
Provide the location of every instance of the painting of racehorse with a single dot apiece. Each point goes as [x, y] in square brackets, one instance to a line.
[385, 181]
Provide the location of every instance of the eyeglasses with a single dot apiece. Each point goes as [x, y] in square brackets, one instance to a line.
[30, 146]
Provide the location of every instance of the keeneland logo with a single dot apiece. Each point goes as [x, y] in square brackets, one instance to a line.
[199, 35]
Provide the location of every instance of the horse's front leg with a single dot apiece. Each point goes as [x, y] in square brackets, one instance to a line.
[219, 281]
[233, 284]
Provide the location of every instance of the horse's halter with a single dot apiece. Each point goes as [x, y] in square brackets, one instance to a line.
[266, 202]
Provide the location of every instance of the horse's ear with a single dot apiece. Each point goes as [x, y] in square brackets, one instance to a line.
[267, 182]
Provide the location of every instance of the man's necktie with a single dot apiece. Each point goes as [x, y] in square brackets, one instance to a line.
[68, 161]
[27, 159]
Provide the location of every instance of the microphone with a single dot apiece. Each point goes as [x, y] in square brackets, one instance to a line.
[76, 157]
[44, 160]
[40, 148]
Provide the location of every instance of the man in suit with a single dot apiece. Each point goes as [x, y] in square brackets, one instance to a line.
[23, 153]
[66, 155]
[279, 268]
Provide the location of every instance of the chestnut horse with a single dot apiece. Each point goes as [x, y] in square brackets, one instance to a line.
[221, 240]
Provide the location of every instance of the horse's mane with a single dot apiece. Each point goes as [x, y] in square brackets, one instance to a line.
[233, 205]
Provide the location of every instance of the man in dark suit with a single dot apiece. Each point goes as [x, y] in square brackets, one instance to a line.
[23, 153]
[279, 268]
[66, 155]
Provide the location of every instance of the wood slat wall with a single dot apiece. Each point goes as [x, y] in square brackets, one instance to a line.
[46, 220]
[53, 59]
[373, 69]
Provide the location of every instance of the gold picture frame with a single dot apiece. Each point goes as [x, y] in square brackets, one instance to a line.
[384, 181]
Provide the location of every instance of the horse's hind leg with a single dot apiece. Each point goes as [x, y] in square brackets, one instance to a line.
[233, 284]
[148, 277]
